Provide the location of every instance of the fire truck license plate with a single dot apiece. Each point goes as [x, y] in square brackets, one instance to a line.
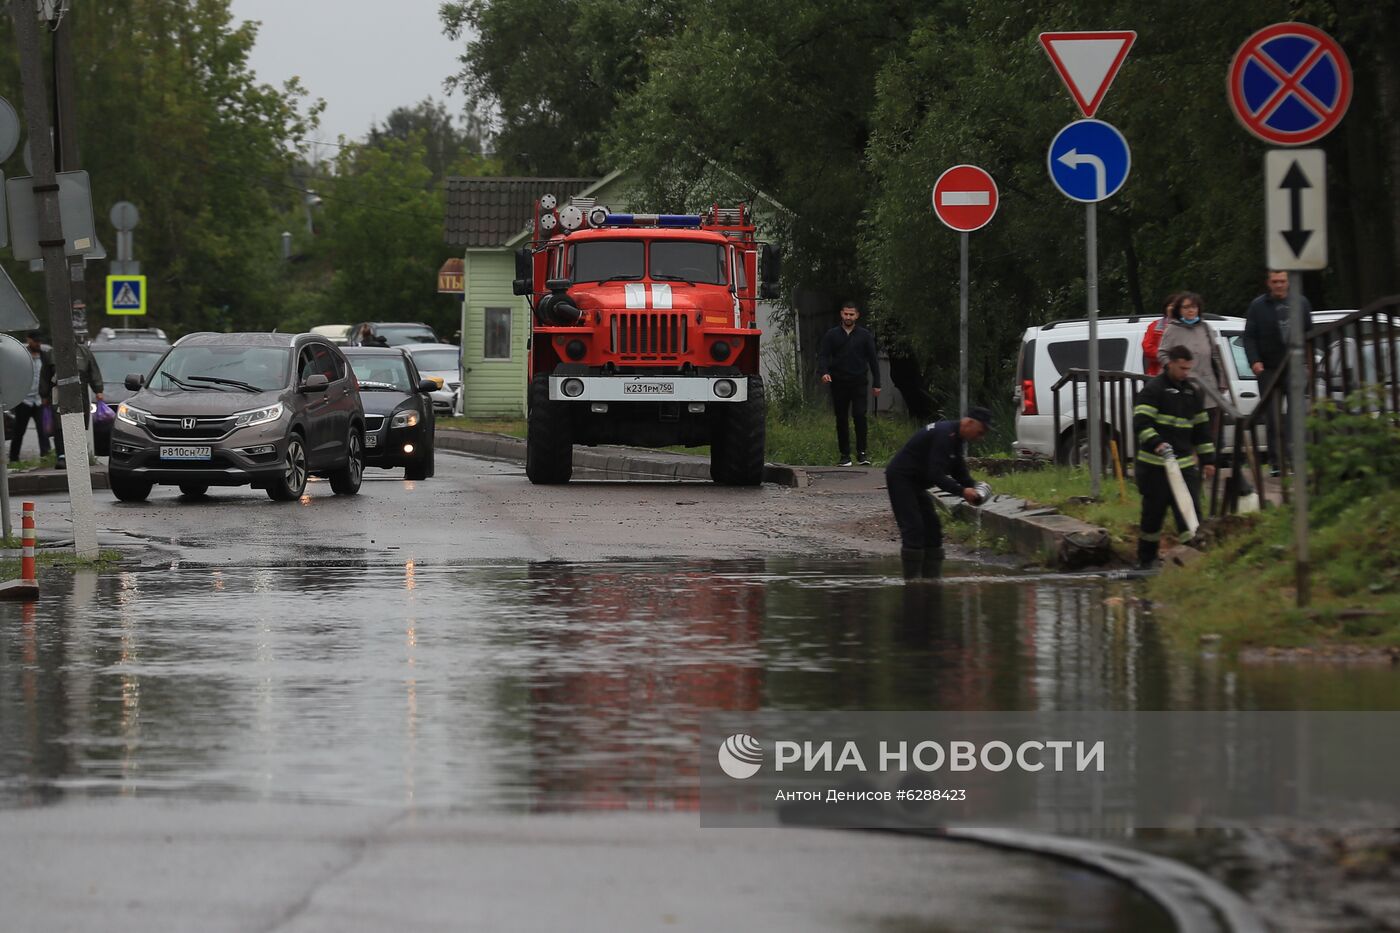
[649, 388]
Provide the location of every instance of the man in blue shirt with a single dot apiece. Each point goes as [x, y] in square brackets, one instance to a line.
[934, 456]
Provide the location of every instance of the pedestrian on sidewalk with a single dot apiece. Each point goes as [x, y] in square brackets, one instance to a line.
[935, 456]
[90, 378]
[1169, 420]
[1190, 329]
[31, 405]
[844, 355]
[1152, 340]
[1266, 347]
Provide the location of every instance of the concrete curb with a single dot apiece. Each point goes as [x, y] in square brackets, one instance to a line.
[1041, 533]
[1196, 902]
[33, 482]
[631, 460]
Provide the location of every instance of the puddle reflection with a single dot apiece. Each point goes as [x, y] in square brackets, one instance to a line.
[549, 686]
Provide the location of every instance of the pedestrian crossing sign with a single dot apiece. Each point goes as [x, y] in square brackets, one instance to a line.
[126, 294]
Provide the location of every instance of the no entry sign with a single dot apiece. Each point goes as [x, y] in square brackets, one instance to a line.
[1290, 84]
[965, 198]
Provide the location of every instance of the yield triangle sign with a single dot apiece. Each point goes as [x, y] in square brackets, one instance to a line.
[1087, 62]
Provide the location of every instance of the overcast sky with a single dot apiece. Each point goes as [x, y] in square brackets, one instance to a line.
[364, 57]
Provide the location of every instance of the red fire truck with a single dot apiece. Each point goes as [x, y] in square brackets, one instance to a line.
[645, 334]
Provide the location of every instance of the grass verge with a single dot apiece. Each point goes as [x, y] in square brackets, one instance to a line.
[515, 427]
[1243, 589]
[48, 559]
[1067, 490]
[41, 463]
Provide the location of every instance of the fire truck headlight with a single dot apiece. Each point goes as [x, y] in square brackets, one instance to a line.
[719, 350]
[575, 349]
[573, 388]
[725, 388]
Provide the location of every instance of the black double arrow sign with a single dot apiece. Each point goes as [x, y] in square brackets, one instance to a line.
[1295, 181]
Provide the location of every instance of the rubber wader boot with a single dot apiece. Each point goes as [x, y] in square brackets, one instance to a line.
[933, 562]
[1147, 554]
[913, 560]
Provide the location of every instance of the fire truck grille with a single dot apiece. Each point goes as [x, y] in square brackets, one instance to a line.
[649, 336]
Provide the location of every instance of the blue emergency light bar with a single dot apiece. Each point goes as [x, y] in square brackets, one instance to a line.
[652, 220]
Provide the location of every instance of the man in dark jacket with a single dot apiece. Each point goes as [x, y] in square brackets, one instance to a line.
[1169, 419]
[1266, 343]
[90, 377]
[843, 356]
[934, 456]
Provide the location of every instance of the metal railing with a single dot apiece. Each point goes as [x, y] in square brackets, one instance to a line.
[1358, 351]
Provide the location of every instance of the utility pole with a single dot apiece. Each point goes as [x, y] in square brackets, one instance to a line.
[65, 120]
[56, 277]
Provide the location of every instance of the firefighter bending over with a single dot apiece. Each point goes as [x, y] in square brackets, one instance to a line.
[934, 456]
[1170, 421]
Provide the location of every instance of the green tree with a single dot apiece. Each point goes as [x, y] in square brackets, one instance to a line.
[171, 118]
[382, 234]
[553, 72]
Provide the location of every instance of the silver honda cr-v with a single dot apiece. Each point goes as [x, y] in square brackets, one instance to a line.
[266, 410]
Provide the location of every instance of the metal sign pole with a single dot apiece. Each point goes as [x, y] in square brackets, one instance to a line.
[5, 479]
[1091, 281]
[1297, 372]
[962, 335]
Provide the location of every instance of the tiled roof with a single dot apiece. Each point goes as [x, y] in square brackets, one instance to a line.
[489, 211]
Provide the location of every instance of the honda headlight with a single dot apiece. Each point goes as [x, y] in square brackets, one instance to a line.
[131, 415]
[404, 419]
[257, 416]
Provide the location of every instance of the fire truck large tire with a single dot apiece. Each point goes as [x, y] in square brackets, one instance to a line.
[549, 450]
[737, 448]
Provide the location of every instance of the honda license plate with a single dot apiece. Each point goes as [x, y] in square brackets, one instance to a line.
[371, 440]
[185, 453]
[649, 388]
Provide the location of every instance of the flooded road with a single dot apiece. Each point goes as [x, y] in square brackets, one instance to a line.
[473, 647]
[549, 685]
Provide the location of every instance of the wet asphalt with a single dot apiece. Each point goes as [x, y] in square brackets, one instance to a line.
[470, 702]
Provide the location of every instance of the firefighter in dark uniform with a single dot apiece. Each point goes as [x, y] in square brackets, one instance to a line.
[1170, 419]
[934, 456]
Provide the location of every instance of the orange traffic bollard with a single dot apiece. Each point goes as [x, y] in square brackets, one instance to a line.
[27, 541]
[27, 586]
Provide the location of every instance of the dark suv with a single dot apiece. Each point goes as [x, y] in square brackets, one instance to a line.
[265, 410]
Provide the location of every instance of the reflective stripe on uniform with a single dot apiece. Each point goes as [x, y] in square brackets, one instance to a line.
[1155, 536]
[1184, 462]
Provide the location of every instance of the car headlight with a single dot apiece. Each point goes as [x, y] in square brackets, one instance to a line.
[257, 416]
[131, 415]
[404, 419]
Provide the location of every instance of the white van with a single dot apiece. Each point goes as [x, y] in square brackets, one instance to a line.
[1047, 352]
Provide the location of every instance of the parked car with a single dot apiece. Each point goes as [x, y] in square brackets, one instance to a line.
[1048, 351]
[115, 360]
[439, 361]
[130, 333]
[266, 410]
[338, 334]
[400, 429]
[391, 334]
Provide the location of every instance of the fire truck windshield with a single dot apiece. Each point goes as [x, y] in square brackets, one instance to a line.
[606, 260]
[688, 261]
[671, 260]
